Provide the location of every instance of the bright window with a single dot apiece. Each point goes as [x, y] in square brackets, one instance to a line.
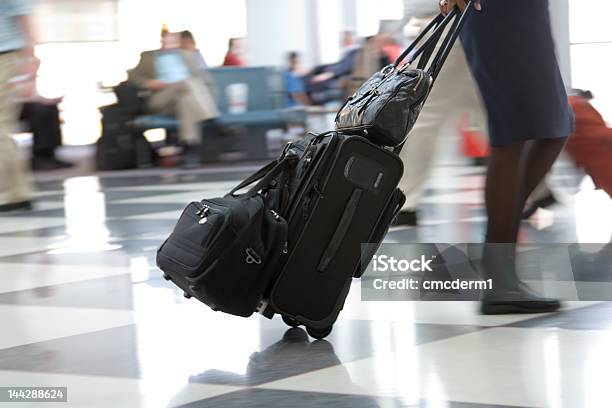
[591, 51]
[371, 12]
[73, 64]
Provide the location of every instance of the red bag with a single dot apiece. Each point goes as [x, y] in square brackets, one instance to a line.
[591, 145]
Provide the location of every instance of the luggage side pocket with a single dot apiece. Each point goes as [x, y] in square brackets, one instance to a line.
[194, 241]
[238, 278]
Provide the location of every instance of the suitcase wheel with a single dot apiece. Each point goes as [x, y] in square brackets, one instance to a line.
[290, 322]
[167, 277]
[186, 295]
[319, 333]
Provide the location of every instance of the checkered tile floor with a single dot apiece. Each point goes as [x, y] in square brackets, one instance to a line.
[82, 305]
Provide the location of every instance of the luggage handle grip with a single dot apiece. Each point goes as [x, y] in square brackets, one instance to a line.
[343, 226]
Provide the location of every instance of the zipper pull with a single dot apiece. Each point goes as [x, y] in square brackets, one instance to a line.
[203, 214]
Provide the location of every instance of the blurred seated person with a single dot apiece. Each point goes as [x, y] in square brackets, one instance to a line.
[233, 57]
[43, 119]
[179, 85]
[327, 83]
[369, 60]
[294, 83]
[187, 42]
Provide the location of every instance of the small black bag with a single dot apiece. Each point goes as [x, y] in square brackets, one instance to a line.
[120, 147]
[224, 251]
[385, 108]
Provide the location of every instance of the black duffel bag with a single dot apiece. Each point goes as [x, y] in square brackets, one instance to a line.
[385, 108]
[224, 251]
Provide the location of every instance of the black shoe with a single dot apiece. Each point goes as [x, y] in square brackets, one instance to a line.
[62, 163]
[191, 157]
[48, 164]
[509, 294]
[405, 219]
[480, 161]
[541, 203]
[18, 206]
[522, 300]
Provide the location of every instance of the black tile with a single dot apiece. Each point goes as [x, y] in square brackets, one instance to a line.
[112, 210]
[110, 196]
[264, 398]
[104, 293]
[111, 352]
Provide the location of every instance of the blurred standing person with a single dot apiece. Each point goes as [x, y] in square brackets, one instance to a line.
[233, 57]
[43, 118]
[294, 83]
[16, 43]
[511, 53]
[455, 93]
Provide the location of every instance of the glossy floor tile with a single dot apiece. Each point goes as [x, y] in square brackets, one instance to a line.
[83, 305]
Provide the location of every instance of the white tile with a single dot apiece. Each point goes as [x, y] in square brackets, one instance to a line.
[24, 245]
[104, 392]
[17, 224]
[22, 276]
[464, 197]
[506, 366]
[31, 324]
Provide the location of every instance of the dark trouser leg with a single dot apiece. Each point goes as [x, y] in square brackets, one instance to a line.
[45, 125]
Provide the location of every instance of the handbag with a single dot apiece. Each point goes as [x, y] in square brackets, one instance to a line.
[385, 108]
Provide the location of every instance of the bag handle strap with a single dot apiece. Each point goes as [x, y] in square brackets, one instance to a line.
[435, 29]
[258, 175]
[431, 26]
[264, 176]
[459, 20]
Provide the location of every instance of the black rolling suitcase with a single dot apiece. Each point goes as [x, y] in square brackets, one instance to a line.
[295, 240]
[347, 198]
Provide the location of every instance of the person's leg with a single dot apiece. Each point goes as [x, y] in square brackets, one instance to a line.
[14, 178]
[514, 171]
[47, 136]
[503, 189]
[455, 89]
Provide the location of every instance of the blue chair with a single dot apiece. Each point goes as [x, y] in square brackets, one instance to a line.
[264, 111]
